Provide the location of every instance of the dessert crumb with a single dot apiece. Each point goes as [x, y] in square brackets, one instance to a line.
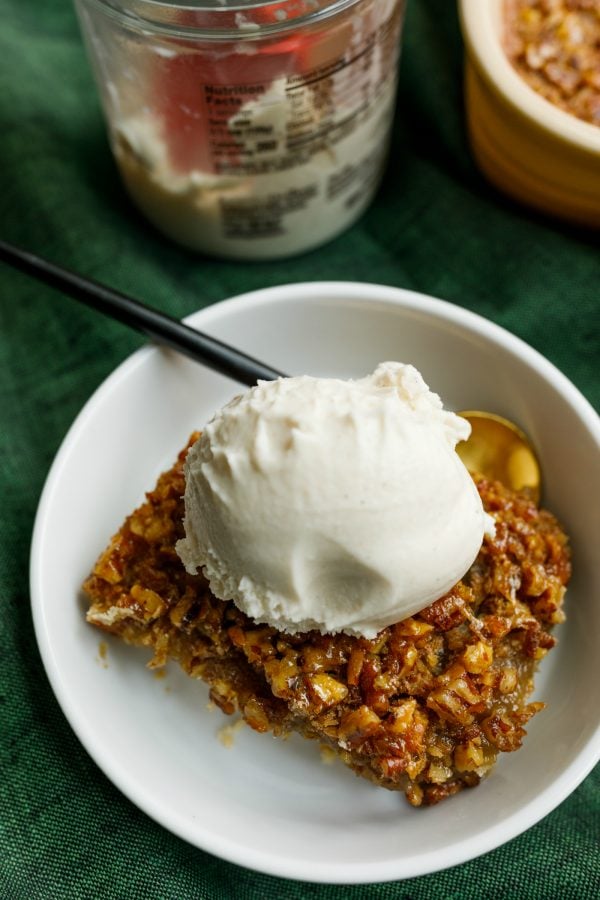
[103, 654]
[328, 756]
[226, 735]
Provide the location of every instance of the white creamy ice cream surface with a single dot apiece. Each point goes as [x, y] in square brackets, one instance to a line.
[335, 505]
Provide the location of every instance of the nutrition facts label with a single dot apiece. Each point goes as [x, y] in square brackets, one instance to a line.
[260, 129]
[269, 148]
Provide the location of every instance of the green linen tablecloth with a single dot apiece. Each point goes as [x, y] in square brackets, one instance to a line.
[436, 227]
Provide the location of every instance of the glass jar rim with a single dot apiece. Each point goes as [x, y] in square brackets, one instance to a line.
[152, 17]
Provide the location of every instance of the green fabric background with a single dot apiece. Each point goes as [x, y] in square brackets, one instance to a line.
[65, 831]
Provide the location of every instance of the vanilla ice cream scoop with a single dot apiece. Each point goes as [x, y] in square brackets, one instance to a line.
[329, 504]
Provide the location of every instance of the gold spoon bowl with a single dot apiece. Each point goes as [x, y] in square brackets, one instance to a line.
[498, 449]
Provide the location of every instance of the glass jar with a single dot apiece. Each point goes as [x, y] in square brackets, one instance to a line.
[247, 130]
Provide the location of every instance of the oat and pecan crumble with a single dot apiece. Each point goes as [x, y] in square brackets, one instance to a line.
[424, 708]
[555, 46]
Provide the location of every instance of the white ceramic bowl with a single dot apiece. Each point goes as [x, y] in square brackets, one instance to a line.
[273, 805]
[526, 145]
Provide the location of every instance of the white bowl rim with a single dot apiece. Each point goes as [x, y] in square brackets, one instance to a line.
[430, 861]
[481, 35]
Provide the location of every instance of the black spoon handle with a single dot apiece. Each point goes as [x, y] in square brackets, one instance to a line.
[156, 325]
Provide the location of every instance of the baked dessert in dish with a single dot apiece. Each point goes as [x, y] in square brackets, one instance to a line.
[555, 48]
[425, 707]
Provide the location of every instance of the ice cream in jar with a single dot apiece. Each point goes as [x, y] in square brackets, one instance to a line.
[247, 130]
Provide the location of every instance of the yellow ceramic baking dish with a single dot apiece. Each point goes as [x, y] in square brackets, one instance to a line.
[531, 149]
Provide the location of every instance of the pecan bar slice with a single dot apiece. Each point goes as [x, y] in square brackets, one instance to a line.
[424, 708]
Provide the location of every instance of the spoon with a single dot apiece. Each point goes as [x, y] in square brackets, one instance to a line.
[156, 325]
[497, 448]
